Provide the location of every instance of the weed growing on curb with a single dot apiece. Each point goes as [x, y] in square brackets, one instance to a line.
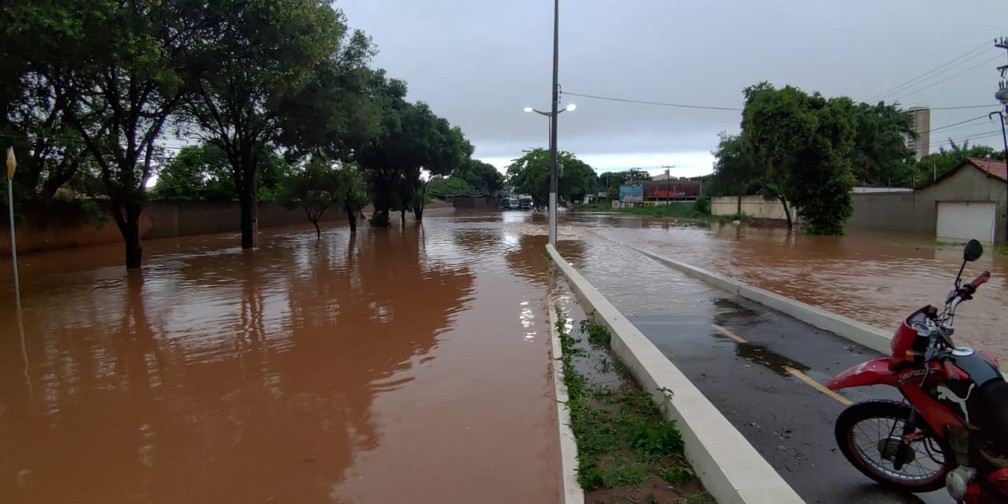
[622, 436]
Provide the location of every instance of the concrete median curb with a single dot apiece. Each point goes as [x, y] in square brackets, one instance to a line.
[570, 488]
[732, 471]
[858, 332]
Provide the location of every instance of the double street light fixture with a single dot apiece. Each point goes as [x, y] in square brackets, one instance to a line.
[552, 115]
[554, 164]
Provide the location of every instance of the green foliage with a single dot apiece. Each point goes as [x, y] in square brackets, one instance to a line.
[529, 174]
[934, 165]
[733, 172]
[800, 148]
[881, 157]
[483, 177]
[702, 205]
[412, 139]
[196, 173]
[449, 187]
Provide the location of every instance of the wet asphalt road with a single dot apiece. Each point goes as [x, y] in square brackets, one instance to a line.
[789, 422]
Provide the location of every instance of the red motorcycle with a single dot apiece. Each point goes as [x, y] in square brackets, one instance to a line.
[952, 428]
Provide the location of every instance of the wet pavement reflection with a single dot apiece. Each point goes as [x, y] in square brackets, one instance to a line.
[393, 365]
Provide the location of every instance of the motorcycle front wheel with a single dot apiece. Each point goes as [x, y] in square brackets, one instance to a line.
[870, 435]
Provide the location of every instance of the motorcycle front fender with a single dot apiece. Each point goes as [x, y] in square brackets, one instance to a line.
[873, 372]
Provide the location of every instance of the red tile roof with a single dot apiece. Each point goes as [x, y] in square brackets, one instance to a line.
[993, 167]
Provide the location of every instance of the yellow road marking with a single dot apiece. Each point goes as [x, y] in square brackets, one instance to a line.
[794, 372]
[818, 386]
[730, 334]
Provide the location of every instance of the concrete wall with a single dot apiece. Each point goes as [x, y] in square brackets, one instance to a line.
[917, 212]
[966, 184]
[753, 206]
[896, 212]
[160, 219]
[477, 203]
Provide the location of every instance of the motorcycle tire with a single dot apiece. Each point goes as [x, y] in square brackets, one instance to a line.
[863, 435]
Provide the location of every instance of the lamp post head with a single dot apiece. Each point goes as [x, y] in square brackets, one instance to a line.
[527, 109]
[571, 107]
[1002, 96]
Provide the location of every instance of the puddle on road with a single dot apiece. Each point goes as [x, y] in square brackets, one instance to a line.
[760, 354]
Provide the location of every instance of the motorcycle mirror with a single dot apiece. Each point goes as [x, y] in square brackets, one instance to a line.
[973, 251]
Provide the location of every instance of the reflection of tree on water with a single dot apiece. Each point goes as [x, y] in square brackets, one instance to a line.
[217, 394]
[529, 258]
[365, 313]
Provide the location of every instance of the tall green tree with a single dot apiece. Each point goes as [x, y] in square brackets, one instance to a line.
[116, 72]
[529, 174]
[413, 140]
[800, 149]
[255, 55]
[483, 177]
[881, 157]
[733, 172]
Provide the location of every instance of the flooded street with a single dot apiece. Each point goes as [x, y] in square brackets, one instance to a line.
[398, 365]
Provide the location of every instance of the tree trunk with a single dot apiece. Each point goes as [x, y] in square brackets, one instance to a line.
[351, 218]
[127, 217]
[318, 231]
[402, 217]
[418, 212]
[787, 211]
[249, 211]
[738, 206]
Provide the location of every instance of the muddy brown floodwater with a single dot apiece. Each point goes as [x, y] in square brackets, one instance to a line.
[395, 366]
[877, 278]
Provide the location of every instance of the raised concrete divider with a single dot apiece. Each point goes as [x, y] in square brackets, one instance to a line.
[732, 471]
[570, 490]
[858, 332]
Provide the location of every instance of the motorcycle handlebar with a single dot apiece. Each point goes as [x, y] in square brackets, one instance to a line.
[980, 280]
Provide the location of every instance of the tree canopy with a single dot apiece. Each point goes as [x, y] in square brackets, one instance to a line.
[529, 174]
[90, 87]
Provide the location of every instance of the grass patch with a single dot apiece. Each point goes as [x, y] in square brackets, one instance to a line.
[624, 441]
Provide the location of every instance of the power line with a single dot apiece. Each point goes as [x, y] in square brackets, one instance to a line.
[927, 75]
[982, 63]
[975, 136]
[961, 107]
[660, 104]
[957, 124]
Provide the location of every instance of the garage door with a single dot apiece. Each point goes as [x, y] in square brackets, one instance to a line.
[961, 221]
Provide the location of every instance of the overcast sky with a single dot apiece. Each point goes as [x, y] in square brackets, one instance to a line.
[479, 62]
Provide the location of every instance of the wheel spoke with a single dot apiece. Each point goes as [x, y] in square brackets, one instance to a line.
[872, 434]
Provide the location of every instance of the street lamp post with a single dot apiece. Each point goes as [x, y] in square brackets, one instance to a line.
[554, 171]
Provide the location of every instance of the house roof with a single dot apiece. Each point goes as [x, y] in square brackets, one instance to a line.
[991, 167]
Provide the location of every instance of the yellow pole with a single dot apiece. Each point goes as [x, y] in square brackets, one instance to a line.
[11, 165]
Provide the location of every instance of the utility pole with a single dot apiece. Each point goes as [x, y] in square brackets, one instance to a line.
[1002, 96]
[667, 177]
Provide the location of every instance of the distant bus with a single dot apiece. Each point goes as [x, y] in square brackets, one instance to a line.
[525, 202]
[509, 204]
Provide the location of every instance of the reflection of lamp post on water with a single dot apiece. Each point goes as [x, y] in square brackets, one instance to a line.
[11, 165]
